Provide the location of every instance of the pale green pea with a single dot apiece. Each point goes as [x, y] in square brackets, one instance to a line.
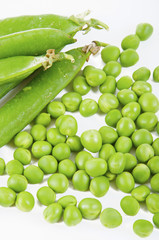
[113, 117]
[153, 164]
[126, 96]
[130, 161]
[142, 228]
[61, 151]
[141, 173]
[130, 41]
[53, 213]
[140, 87]
[68, 126]
[14, 167]
[7, 197]
[110, 53]
[109, 85]
[80, 85]
[144, 152]
[96, 167]
[124, 82]
[74, 143]
[110, 218]
[81, 180]
[48, 164]
[56, 109]
[155, 183]
[125, 182]
[25, 201]
[46, 196]
[67, 201]
[107, 102]
[55, 137]
[88, 107]
[144, 31]
[58, 182]
[156, 74]
[59, 120]
[23, 140]
[149, 102]
[141, 136]
[99, 186]
[129, 205]
[140, 193]
[87, 69]
[108, 134]
[95, 77]
[110, 176]
[155, 145]
[90, 208]
[41, 148]
[17, 183]
[106, 151]
[91, 140]
[152, 202]
[67, 167]
[123, 144]
[156, 219]
[116, 163]
[22, 155]
[72, 216]
[131, 110]
[43, 119]
[2, 166]
[147, 120]
[71, 100]
[112, 68]
[81, 158]
[38, 132]
[141, 74]
[33, 174]
[129, 57]
[157, 128]
[125, 127]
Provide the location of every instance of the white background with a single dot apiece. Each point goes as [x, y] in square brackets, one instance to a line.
[122, 16]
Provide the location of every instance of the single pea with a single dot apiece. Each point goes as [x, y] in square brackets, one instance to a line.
[58, 182]
[155, 183]
[80, 85]
[68, 126]
[48, 164]
[67, 167]
[131, 110]
[95, 77]
[38, 132]
[33, 174]
[43, 119]
[157, 128]
[125, 127]
[144, 31]
[130, 161]
[14, 167]
[109, 135]
[152, 202]
[155, 145]
[23, 140]
[61, 151]
[116, 163]
[91, 140]
[99, 186]
[141, 87]
[107, 102]
[147, 120]
[88, 107]
[112, 68]
[142, 228]
[87, 69]
[7, 197]
[25, 201]
[41, 148]
[46, 196]
[71, 100]
[149, 102]
[17, 183]
[123, 144]
[153, 164]
[156, 219]
[144, 152]
[110, 53]
[2, 166]
[126, 96]
[81, 159]
[113, 117]
[59, 120]
[129, 57]
[156, 74]
[53, 213]
[110, 176]
[67, 200]
[125, 182]
[124, 82]
[54, 136]
[141, 136]
[110, 218]
[74, 143]
[141, 74]
[22, 155]
[81, 180]
[90, 208]
[109, 85]
[140, 193]
[141, 173]
[72, 215]
[130, 41]
[95, 167]
[129, 205]
[106, 151]
[56, 109]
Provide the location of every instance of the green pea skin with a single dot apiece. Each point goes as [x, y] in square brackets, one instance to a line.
[125, 127]
[54, 136]
[23, 140]
[116, 163]
[81, 180]
[46, 196]
[149, 102]
[124, 82]
[130, 41]
[17, 183]
[67, 167]
[22, 155]
[156, 219]
[48, 164]
[2, 166]
[106, 151]
[123, 144]
[157, 128]
[53, 213]
[7, 197]
[141, 173]
[112, 68]
[155, 145]
[109, 135]
[156, 74]
[95, 77]
[140, 193]
[131, 110]
[41, 148]
[153, 164]
[80, 85]
[14, 167]
[113, 117]
[130, 161]
[107, 102]
[81, 158]
[155, 183]
[109, 85]
[58, 182]
[71, 100]
[61, 151]
[90, 208]
[126, 96]
[110, 53]
[38, 132]
[67, 200]
[72, 216]
[129, 205]
[129, 57]
[152, 202]
[68, 126]
[147, 120]
[25, 201]
[144, 31]
[125, 182]
[110, 218]
[96, 167]
[142, 228]
[87, 69]
[110, 176]
[59, 120]
[74, 143]
[91, 140]
[33, 174]
[140, 87]
[141, 74]
[99, 186]
[144, 152]
[88, 107]
[56, 109]
[43, 119]
[141, 136]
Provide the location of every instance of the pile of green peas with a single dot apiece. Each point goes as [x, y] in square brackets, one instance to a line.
[130, 108]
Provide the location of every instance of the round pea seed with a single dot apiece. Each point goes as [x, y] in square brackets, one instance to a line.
[131, 110]
[67, 200]
[123, 144]
[67, 167]
[58, 182]
[149, 102]
[68, 126]
[140, 193]
[156, 219]
[72, 101]
[141, 136]
[74, 143]
[124, 82]
[109, 135]
[144, 152]
[14, 167]
[46, 196]
[109, 85]
[99, 186]
[130, 161]
[147, 120]
[141, 173]
[155, 183]
[106, 151]
[88, 107]
[7, 197]
[33, 174]
[81, 180]
[95, 77]
[56, 109]
[155, 145]
[61, 151]
[87, 69]
[38, 132]
[22, 155]
[17, 183]
[96, 167]
[25, 201]
[142, 228]
[107, 102]
[113, 117]
[130, 41]
[125, 127]
[141, 87]
[129, 205]
[80, 85]
[91, 140]
[23, 140]
[144, 31]
[72, 216]
[48, 164]
[90, 208]
[141, 74]
[126, 96]
[41, 148]
[129, 57]
[156, 74]
[116, 163]
[54, 136]
[153, 164]
[110, 53]
[125, 182]
[152, 202]
[110, 218]
[81, 158]
[2, 166]
[43, 119]
[112, 68]
[53, 213]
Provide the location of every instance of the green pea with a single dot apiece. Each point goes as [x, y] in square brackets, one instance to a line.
[131, 110]
[80, 85]
[141, 74]
[25, 201]
[7, 197]
[141, 87]
[112, 68]
[153, 164]
[91, 140]
[109, 85]
[125, 182]
[144, 152]
[43, 119]
[96, 167]
[124, 82]
[123, 144]
[125, 127]
[110, 53]
[72, 216]
[95, 77]
[152, 202]
[140, 193]
[38, 132]
[110, 218]
[71, 100]
[130, 41]
[107, 102]
[81, 180]
[144, 31]
[156, 74]
[74, 143]
[2, 166]
[54, 136]
[149, 102]
[14, 167]
[67, 167]
[67, 200]
[141, 136]
[33, 174]
[56, 109]
[81, 158]
[53, 213]
[130, 161]
[142, 228]
[41, 148]
[129, 205]
[147, 120]
[46, 196]
[129, 57]
[23, 140]
[157, 128]
[155, 145]
[156, 219]
[48, 164]
[99, 186]
[68, 126]
[87, 69]
[109, 135]
[17, 183]
[141, 173]
[106, 151]
[126, 96]
[61, 151]
[113, 117]
[116, 163]
[22, 155]
[58, 182]
[110, 176]
[90, 208]
[88, 107]
[155, 183]
[59, 120]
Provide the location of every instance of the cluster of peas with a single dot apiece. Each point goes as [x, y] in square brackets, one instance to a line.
[53, 147]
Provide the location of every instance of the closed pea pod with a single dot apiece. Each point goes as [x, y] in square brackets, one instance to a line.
[130, 41]
[141, 74]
